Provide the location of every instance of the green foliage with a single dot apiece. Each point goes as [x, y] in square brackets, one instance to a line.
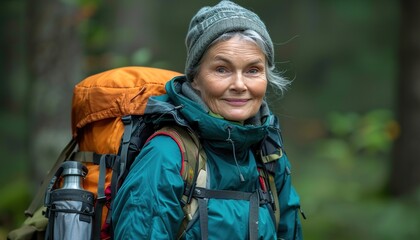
[370, 132]
[142, 57]
[342, 179]
[14, 199]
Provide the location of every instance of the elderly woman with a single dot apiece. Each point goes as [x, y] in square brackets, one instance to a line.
[230, 62]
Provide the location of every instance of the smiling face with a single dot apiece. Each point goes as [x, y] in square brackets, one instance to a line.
[232, 78]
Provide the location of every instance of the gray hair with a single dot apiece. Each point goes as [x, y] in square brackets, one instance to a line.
[273, 76]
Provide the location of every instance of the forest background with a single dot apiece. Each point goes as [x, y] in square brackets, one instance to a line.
[349, 120]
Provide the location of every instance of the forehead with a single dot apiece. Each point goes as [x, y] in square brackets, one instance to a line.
[236, 46]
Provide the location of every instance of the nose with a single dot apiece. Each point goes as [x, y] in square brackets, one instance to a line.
[238, 83]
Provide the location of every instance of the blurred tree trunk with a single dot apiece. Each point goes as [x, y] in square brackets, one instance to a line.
[134, 27]
[12, 86]
[54, 62]
[405, 168]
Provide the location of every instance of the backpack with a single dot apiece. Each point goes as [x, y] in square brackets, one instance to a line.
[109, 128]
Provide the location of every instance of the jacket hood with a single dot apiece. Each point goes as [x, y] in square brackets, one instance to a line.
[187, 108]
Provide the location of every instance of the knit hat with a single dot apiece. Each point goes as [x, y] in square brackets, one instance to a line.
[211, 22]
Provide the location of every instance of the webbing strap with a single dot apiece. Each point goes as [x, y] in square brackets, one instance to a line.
[253, 216]
[83, 157]
[39, 197]
[268, 164]
[49, 233]
[101, 179]
[276, 199]
[221, 194]
[128, 127]
[95, 158]
[114, 188]
[100, 200]
[204, 218]
[272, 157]
[202, 194]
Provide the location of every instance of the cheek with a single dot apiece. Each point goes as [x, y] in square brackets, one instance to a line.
[258, 89]
[210, 95]
[209, 89]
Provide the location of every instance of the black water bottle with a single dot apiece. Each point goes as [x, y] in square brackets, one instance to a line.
[69, 207]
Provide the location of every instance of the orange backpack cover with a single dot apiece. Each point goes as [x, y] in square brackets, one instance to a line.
[99, 103]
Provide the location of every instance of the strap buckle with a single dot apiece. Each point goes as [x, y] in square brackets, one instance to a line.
[126, 119]
[265, 197]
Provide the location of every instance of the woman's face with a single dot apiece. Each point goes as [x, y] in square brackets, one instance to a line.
[231, 79]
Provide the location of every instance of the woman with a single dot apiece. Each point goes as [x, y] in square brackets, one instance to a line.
[229, 64]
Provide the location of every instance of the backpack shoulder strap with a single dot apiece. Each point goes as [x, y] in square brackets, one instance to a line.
[190, 147]
[268, 154]
[193, 168]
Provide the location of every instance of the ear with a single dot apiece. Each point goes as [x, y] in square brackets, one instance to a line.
[195, 85]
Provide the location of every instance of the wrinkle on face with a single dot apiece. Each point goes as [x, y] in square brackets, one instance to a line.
[232, 79]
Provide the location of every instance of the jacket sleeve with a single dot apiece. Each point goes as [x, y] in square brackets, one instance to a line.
[290, 226]
[147, 206]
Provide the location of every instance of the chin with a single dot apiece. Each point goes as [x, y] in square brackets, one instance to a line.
[236, 119]
[237, 116]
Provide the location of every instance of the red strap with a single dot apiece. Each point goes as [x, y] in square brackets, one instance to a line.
[176, 138]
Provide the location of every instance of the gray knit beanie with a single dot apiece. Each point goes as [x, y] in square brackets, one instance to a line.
[211, 22]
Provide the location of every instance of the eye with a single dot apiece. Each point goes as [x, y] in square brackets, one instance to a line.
[254, 71]
[221, 69]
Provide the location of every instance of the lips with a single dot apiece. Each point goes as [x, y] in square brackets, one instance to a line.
[236, 102]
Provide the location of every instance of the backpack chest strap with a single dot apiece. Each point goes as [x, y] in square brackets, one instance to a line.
[255, 199]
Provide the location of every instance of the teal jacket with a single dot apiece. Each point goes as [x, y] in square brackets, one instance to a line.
[148, 206]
